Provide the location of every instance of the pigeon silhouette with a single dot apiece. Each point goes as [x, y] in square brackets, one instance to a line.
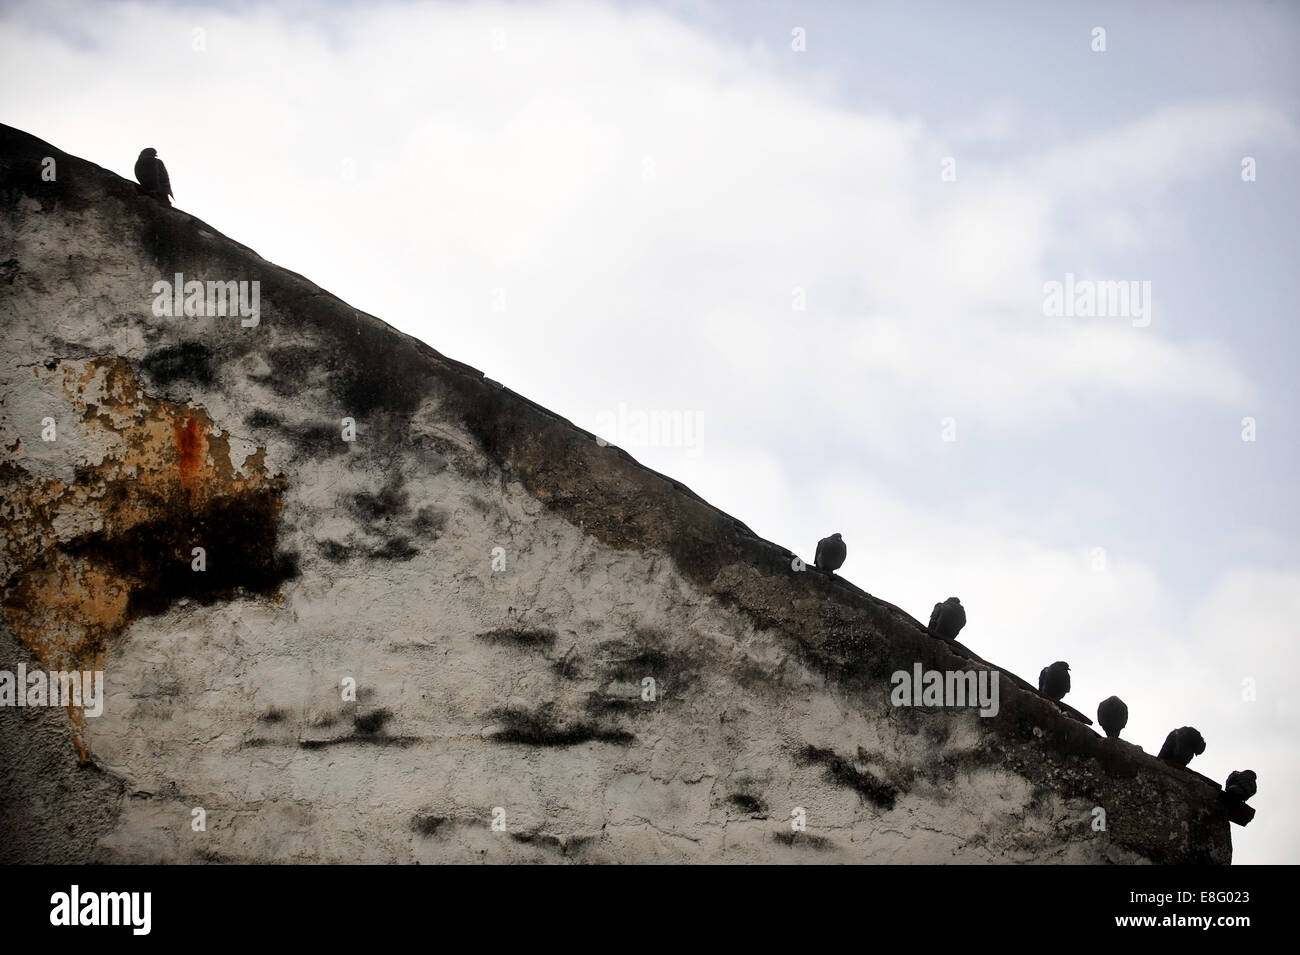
[1112, 714]
[948, 618]
[1181, 745]
[830, 553]
[151, 172]
[1054, 680]
[1240, 785]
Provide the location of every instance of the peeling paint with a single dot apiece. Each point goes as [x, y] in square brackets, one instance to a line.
[87, 558]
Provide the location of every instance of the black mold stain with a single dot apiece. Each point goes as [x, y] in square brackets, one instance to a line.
[427, 825]
[568, 667]
[395, 549]
[334, 551]
[291, 367]
[262, 419]
[430, 522]
[383, 374]
[378, 513]
[372, 722]
[648, 662]
[367, 729]
[539, 728]
[645, 656]
[565, 846]
[601, 704]
[238, 536]
[188, 361]
[378, 739]
[842, 772]
[802, 839]
[307, 441]
[316, 441]
[389, 503]
[747, 803]
[521, 638]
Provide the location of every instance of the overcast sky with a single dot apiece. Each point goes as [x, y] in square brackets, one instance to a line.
[615, 208]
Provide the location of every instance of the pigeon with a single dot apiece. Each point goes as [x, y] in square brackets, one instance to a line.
[830, 553]
[1240, 785]
[1181, 745]
[151, 172]
[948, 618]
[1054, 681]
[1112, 714]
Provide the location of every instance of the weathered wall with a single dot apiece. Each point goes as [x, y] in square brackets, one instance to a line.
[516, 688]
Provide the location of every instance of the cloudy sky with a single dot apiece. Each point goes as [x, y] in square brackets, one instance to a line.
[820, 234]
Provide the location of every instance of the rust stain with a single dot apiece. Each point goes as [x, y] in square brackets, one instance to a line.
[87, 558]
[189, 451]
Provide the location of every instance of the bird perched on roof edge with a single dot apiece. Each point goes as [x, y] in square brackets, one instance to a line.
[830, 555]
[1181, 745]
[1112, 714]
[151, 172]
[1054, 680]
[948, 618]
[1241, 785]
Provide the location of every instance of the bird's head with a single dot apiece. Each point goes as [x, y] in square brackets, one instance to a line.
[149, 152]
[835, 536]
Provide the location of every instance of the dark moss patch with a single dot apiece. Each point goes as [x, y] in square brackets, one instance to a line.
[188, 361]
[540, 728]
[842, 772]
[539, 637]
[805, 839]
